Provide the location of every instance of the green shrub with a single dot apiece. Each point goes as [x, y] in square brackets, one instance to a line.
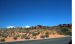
[34, 34]
[27, 37]
[66, 31]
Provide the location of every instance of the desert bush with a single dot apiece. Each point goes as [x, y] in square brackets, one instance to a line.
[46, 35]
[34, 34]
[23, 36]
[42, 36]
[26, 37]
[66, 31]
[2, 40]
[15, 38]
[34, 37]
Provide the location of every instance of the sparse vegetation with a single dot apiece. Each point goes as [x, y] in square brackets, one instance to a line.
[32, 32]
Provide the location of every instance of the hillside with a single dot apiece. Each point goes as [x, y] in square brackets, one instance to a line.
[35, 32]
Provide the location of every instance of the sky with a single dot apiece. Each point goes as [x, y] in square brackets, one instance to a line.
[35, 12]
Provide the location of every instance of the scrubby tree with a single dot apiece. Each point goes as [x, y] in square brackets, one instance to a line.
[66, 31]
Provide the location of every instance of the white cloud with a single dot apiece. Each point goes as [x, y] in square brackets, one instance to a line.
[10, 26]
[25, 26]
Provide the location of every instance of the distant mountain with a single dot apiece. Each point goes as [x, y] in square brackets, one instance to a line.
[43, 27]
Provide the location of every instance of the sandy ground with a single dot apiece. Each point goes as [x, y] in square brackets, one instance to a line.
[10, 39]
